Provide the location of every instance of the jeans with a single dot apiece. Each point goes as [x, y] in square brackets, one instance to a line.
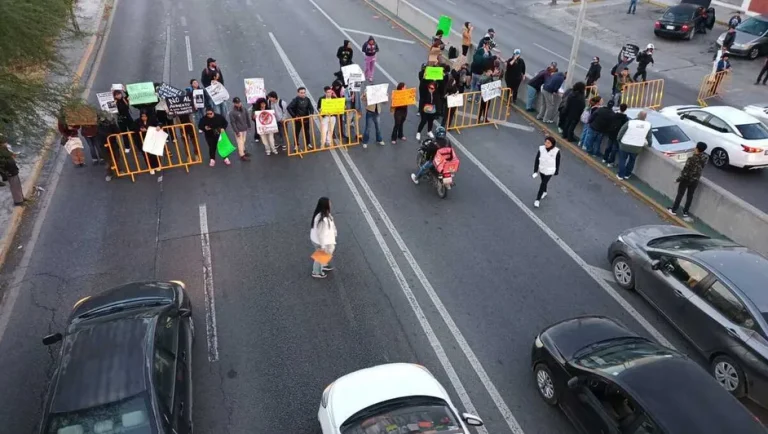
[374, 119]
[474, 85]
[221, 109]
[632, 6]
[682, 188]
[543, 186]
[626, 163]
[424, 167]
[593, 141]
[317, 267]
[583, 139]
[530, 102]
[610, 151]
[93, 144]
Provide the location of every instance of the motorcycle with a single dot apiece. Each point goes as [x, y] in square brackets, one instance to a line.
[441, 180]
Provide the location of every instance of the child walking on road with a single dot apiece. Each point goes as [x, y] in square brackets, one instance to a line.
[546, 165]
[322, 235]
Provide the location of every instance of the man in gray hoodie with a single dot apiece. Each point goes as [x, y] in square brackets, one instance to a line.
[240, 121]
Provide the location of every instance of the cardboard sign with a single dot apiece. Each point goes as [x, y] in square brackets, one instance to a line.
[444, 24]
[80, 115]
[154, 141]
[455, 100]
[198, 96]
[180, 105]
[404, 97]
[332, 106]
[254, 89]
[117, 87]
[491, 90]
[377, 93]
[321, 256]
[217, 92]
[142, 93]
[354, 86]
[72, 144]
[167, 91]
[107, 102]
[266, 122]
[433, 73]
[350, 71]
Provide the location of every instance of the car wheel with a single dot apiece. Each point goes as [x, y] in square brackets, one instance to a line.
[719, 158]
[729, 375]
[545, 384]
[623, 273]
[753, 53]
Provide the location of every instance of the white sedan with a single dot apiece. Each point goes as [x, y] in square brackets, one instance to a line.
[733, 137]
[397, 398]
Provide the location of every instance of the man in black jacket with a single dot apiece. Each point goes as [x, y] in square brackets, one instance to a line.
[301, 107]
[643, 59]
[618, 121]
[344, 54]
[593, 74]
[574, 106]
[213, 73]
[534, 88]
[600, 123]
[212, 125]
[515, 73]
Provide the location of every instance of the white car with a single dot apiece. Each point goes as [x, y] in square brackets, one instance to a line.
[668, 137]
[392, 398]
[759, 111]
[733, 137]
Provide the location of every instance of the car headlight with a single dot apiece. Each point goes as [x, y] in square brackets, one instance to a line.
[326, 394]
[180, 283]
[81, 301]
[538, 343]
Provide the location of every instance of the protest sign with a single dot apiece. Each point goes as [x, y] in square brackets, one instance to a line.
[628, 51]
[491, 90]
[377, 93]
[444, 24]
[217, 92]
[180, 105]
[455, 100]
[254, 89]
[72, 144]
[154, 141]
[332, 106]
[80, 115]
[199, 98]
[404, 97]
[266, 122]
[117, 87]
[433, 73]
[142, 93]
[166, 91]
[354, 86]
[107, 102]
[352, 71]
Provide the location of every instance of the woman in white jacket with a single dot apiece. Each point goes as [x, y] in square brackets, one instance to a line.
[323, 235]
[546, 165]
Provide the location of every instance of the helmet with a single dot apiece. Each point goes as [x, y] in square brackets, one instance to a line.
[440, 133]
[650, 47]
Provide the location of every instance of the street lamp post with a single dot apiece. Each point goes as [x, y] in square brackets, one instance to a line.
[575, 46]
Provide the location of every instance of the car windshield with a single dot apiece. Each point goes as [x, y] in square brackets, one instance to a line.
[614, 356]
[689, 242]
[412, 414]
[129, 416]
[755, 131]
[753, 26]
[670, 135]
[676, 16]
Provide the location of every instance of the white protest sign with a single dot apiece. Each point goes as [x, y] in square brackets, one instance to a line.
[217, 92]
[354, 86]
[377, 93]
[72, 144]
[107, 102]
[266, 122]
[455, 100]
[154, 141]
[117, 87]
[254, 89]
[491, 90]
[199, 98]
[353, 71]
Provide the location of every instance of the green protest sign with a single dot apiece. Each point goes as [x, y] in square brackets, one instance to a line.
[444, 24]
[433, 73]
[141, 93]
[224, 147]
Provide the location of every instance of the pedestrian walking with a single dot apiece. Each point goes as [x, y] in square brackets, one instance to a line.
[515, 73]
[427, 108]
[612, 149]
[370, 48]
[280, 108]
[323, 236]
[267, 138]
[241, 123]
[90, 134]
[575, 102]
[466, 38]
[633, 137]
[534, 88]
[545, 165]
[549, 89]
[644, 58]
[599, 126]
[213, 124]
[632, 7]
[301, 107]
[689, 179]
[593, 73]
[212, 74]
[143, 125]
[345, 54]
[327, 122]
[9, 172]
[729, 39]
[399, 113]
[372, 115]
[763, 73]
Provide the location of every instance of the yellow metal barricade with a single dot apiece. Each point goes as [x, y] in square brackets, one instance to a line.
[127, 158]
[713, 85]
[644, 94]
[304, 135]
[591, 91]
[474, 112]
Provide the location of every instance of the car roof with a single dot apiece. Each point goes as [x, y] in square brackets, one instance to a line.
[102, 363]
[683, 7]
[730, 114]
[746, 269]
[674, 390]
[655, 118]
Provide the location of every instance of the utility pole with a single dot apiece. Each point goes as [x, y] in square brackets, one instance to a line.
[575, 46]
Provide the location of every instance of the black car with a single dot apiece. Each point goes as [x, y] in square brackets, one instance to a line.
[680, 21]
[125, 364]
[608, 380]
[713, 291]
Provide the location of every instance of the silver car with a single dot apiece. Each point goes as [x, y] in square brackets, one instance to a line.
[668, 138]
[751, 38]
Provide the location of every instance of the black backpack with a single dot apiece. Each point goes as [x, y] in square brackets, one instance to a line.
[453, 53]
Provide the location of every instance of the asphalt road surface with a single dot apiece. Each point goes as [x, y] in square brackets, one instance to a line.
[460, 285]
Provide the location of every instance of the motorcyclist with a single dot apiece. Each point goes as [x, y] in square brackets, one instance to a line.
[430, 147]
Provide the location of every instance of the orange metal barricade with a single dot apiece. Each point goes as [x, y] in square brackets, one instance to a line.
[472, 109]
[644, 94]
[591, 91]
[713, 85]
[127, 158]
[304, 135]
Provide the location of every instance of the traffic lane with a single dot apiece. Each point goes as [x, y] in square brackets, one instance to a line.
[749, 185]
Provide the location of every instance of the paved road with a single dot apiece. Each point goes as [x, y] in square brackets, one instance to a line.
[460, 285]
[522, 25]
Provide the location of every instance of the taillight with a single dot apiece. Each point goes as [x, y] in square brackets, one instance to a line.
[750, 150]
[675, 141]
[684, 28]
[657, 25]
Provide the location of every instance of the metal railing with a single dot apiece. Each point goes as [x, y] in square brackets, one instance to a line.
[315, 133]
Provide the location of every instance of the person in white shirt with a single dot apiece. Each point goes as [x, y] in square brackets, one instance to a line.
[546, 165]
[323, 235]
[633, 137]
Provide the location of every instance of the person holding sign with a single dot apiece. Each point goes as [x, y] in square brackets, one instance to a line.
[327, 121]
[370, 48]
[213, 124]
[400, 113]
[212, 74]
[124, 118]
[259, 111]
[142, 126]
[372, 115]
[427, 107]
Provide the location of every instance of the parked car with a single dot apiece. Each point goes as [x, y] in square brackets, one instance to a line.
[609, 380]
[759, 111]
[751, 38]
[713, 291]
[396, 397]
[668, 138]
[734, 137]
[679, 21]
[125, 363]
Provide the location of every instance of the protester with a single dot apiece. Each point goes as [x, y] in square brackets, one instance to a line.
[323, 235]
[621, 80]
[436, 49]
[9, 172]
[633, 137]
[479, 61]
[352, 116]
[105, 128]
[400, 114]
[71, 142]
[592, 106]
[372, 115]
[488, 39]
[632, 7]
[729, 39]
[90, 134]
[644, 58]
[212, 74]
[599, 125]
[549, 90]
[143, 124]
[593, 73]
[534, 87]
[515, 73]
[574, 106]
[724, 64]
[338, 89]
[618, 121]
[487, 77]
[370, 48]
[241, 123]
[546, 164]
[301, 107]
[267, 138]
[124, 118]
[427, 109]
[345, 54]
[280, 108]
[466, 38]
[763, 71]
[193, 86]
[689, 179]
[213, 124]
[327, 122]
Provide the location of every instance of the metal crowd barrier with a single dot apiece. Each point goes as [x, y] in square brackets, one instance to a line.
[591, 91]
[644, 94]
[469, 113]
[127, 158]
[713, 85]
[304, 135]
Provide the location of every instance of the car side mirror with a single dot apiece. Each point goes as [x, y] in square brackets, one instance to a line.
[683, 116]
[574, 383]
[185, 313]
[52, 339]
[656, 265]
[471, 419]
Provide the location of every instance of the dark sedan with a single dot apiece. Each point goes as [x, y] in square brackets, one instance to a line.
[608, 380]
[713, 291]
[679, 21]
[125, 364]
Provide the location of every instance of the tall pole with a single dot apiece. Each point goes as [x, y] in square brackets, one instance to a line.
[575, 46]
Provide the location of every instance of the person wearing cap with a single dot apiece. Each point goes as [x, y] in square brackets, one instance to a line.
[241, 123]
[643, 59]
[515, 73]
[211, 74]
[488, 37]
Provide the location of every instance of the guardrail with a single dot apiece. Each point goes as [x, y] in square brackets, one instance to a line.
[643, 94]
[303, 136]
[474, 112]
[713, 85]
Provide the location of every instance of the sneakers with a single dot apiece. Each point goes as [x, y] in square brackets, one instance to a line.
[619, 177]
[430, 135]
[212, 163]
[543, 195]
[94, 162]
[245, 158]
[671, 211]
[365, 146]
[320, 275]
[403, 138]
[535, 203]
[394, 142]
[269, 153]
[418, 137]
[381, 142]
[414, 179]
[227, 162]
[686, 216]
[327, 268]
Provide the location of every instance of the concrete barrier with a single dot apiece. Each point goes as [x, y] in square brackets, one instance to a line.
[421, 21]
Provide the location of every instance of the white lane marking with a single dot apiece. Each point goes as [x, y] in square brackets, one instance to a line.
[555, 54]
[210, 295]
[183, 20]
[450, 2]
[409, 295]
[258, 17]
[167, 58]
[547, 230]
[405, 41]
[503, 123]
[602, 272]
[189, 53]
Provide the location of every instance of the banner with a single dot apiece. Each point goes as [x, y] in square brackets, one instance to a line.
[444, 24]
[154, 141]
[254, 89]
[180, 105]
[199, 98]
[167, 91]
[377, 93]
[217, 92]
[107, 102]
[142, 93]
[332, 106]
[353, 72]
[491, 90]
[455, 100]
[404, 97]
[433, 73]
[266, 122]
